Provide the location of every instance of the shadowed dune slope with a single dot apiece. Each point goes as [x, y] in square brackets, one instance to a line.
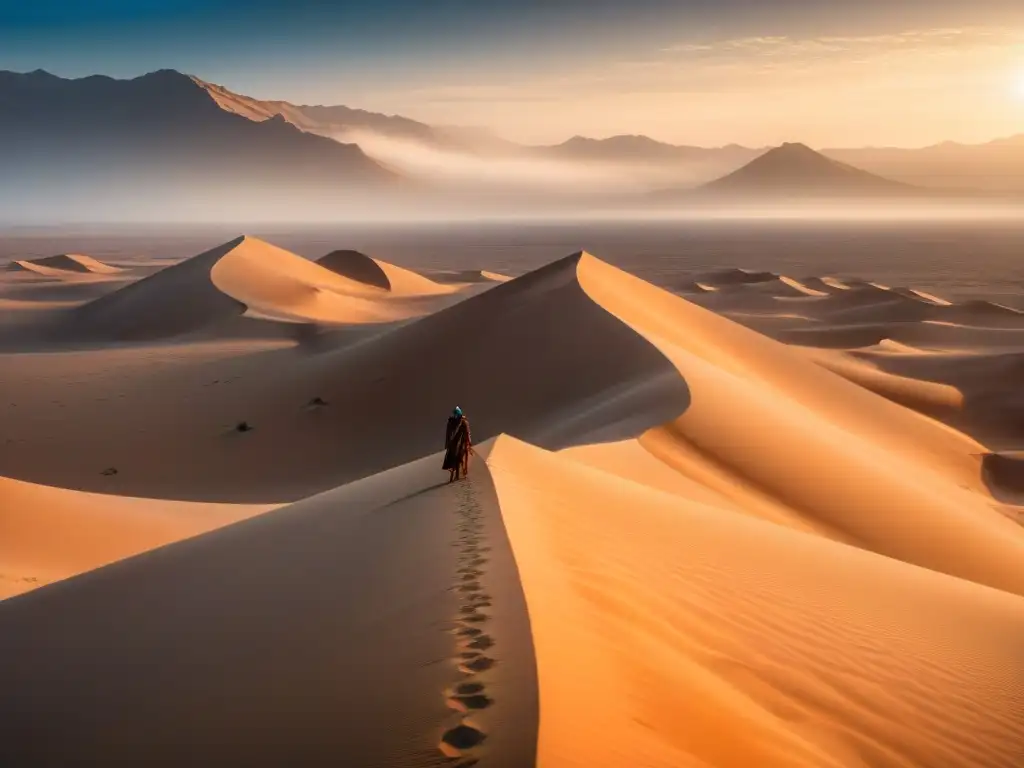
[245, 275]
[845, 459]
[177, 300]
[379, 274]
[677, 633]
[63, 263]
[321, 634]
[536, 357]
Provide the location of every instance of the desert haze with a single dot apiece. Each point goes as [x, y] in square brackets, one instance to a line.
[171, 147]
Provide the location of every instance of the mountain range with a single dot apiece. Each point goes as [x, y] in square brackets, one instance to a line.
[993, 166]
[161, 138]
[170, 139]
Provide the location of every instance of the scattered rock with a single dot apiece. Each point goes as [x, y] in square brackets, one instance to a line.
[109, 471]
[244, 426]
[317, 402]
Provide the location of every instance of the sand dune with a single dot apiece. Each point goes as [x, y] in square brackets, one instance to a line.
[923, 335]
[729, 277]
[865, 469]
[913, 293]
[988, 384]
[243, 276]
[51, 533]
[671, 633]
[861, 314]
[63, 264]
[332, 632]
[379, 274]
[470, 276]
[823, 284]
[683, 542]
[477, 353]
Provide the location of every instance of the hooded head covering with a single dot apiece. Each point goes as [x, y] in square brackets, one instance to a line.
[457, 411]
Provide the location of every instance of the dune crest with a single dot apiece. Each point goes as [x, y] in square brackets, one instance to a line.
[470, 276]
[863, 468]
[51, 534]
[380, 274]
[671, 633]
[243, 276]
[63, 265]
[682, 542]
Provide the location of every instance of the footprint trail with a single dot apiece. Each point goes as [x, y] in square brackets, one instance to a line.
[461, 740]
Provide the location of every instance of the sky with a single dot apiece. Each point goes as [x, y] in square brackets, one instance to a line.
[831, 73]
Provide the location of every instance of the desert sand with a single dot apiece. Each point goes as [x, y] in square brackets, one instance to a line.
[767, 520]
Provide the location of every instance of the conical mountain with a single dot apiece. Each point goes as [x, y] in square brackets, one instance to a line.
[797, 170]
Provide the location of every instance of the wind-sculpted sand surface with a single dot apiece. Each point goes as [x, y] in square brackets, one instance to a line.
[767, 520]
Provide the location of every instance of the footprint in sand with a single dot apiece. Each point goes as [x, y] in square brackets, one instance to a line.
[480, 663]
[481, 642]
[466, 703]
[462, 736]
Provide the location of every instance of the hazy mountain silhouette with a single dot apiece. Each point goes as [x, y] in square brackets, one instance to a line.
[337, 121]
[796, 170]
[643, 149]
[995, 166]
[161, 134]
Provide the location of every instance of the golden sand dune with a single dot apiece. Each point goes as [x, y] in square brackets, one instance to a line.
[913, 293]
[245, 276]
[671, 632]
[478, 353]
[368, 626]
[63, 265]
[52, 533]
[816, 312]
[682, 543]
[872, 458]
[920, 394]
[824, 284]
[379, 274]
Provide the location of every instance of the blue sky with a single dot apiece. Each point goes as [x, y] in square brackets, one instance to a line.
[499, 62]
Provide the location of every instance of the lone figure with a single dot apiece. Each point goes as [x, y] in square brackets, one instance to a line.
[457, 445]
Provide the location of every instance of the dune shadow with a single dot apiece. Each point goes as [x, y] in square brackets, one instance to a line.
[1003, 474]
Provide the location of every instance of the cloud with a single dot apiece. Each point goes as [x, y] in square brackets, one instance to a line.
[918, 40]
[731, 64]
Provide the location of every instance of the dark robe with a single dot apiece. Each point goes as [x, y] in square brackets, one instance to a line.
[456, 442]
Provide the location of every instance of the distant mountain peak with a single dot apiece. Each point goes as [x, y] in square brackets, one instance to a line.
[164, 125]
[794, 147]
[796, 169]
[165, 74]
